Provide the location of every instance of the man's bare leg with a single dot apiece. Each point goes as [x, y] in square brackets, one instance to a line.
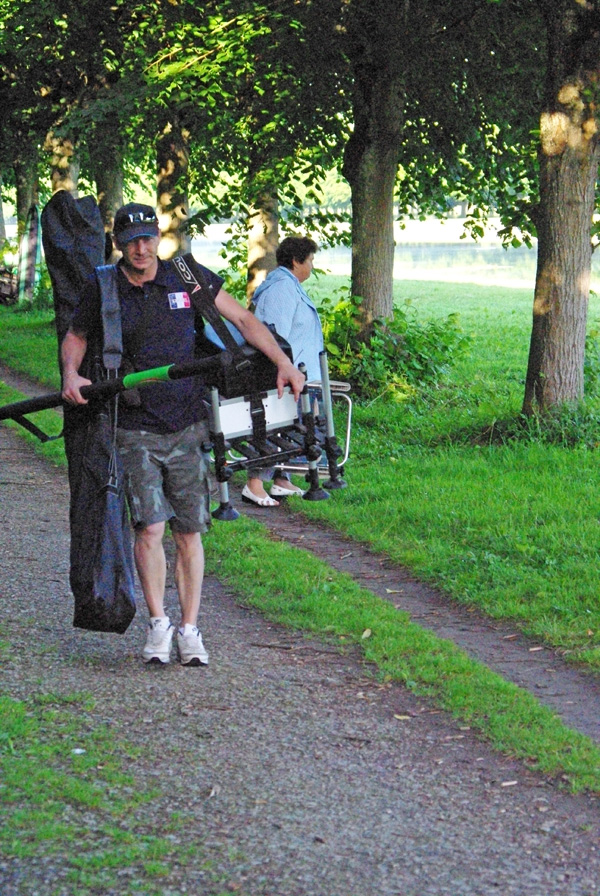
[151, 566]
[189, 574]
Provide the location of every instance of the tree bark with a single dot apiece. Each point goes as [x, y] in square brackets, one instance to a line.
[2, 221]
[263, 238]
[568, 171]
[26, 179]
[107, 163]
[109, 190]
[371, 156]
[172, 198]
[106, 156]
[372, 178]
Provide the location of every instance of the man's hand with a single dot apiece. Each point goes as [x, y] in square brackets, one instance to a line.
[288, 375]
[72, 384]
[261, 338]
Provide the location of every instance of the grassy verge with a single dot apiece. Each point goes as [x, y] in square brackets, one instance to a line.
[510, 525]
[514, 531]
[28, 345]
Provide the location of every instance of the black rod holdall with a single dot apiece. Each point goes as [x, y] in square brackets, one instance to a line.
[74, 245]
[101, 558]
[101, 569]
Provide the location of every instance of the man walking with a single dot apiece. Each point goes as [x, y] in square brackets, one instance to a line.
[160, 438]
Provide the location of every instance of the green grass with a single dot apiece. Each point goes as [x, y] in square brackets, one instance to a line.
[65, 794]
[28, 345]
[511, 527]
[520, 542]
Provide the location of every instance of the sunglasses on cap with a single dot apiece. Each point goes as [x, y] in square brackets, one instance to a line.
[136, 218]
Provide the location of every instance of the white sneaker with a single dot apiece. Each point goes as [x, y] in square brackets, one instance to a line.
[158, 641]
[191, 649]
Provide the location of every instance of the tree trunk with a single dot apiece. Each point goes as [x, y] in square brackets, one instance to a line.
[2, 221]
[372, 182]
[172, 199]
[371, 156]
[109, 189]
[26, 179]
[263, 238]
[568, 170]
[107, 164]
[107, 167]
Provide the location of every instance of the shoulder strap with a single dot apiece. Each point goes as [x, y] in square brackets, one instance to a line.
[112, 351]
[203, 299]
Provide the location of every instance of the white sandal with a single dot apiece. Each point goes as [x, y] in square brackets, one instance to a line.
[250, 498]
[286, 492]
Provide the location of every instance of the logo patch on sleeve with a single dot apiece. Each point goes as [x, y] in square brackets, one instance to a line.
[179, 300]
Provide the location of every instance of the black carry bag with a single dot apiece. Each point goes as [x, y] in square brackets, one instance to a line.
[101, 574]
[74, 245]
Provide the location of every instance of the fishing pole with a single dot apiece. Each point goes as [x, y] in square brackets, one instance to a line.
[106, 388]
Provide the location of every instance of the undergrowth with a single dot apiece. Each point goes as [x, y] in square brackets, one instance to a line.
[392, 358]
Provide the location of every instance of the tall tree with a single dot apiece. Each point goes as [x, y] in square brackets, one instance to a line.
[25, 111]
[376, 33]
[243, 78]
[568, 159]
[420, 128]
[171, 187]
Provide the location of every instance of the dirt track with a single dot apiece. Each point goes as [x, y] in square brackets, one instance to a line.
[297, 774]
[571, 692]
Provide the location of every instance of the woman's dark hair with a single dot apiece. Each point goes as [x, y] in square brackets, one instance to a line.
[294, 248]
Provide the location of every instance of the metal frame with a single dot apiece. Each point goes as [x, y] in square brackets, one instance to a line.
[265, 430]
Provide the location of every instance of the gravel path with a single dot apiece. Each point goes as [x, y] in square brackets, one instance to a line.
[297, 773]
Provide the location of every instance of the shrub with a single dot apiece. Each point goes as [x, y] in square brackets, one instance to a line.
[395, 357]
[42, 298]
[591, 366]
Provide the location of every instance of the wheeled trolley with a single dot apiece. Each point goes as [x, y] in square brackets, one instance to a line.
[264, 430]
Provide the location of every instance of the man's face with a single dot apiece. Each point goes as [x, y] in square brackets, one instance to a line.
[140, 254]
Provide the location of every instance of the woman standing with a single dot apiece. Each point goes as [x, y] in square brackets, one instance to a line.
[281, 301]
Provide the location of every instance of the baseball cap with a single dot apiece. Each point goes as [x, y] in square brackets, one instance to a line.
[133, 221]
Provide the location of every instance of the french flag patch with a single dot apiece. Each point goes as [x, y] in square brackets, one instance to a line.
[178, 300]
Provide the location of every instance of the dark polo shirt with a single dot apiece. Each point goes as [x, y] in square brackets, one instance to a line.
[159, 327]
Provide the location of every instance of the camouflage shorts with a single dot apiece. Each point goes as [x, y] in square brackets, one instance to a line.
[166, 477]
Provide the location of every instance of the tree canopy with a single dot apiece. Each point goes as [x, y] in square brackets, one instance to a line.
[242, 107]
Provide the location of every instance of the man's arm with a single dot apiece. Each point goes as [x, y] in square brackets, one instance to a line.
[261, 338]
[72, 352]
